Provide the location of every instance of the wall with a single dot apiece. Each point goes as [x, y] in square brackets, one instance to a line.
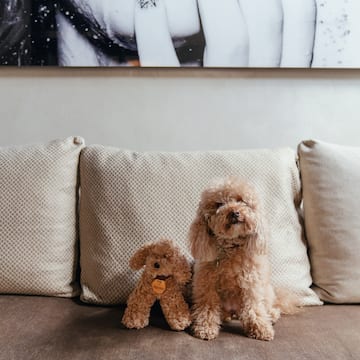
[180, 109]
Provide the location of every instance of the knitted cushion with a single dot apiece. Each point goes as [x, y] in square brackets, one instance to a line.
[38, 195]
[130, 198]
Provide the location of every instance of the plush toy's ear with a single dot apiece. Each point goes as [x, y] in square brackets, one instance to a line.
[202, 242]
[138, 260]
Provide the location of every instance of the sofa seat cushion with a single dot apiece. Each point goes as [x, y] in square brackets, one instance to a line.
[55, 328]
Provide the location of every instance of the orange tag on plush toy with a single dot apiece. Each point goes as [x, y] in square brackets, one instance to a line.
[158, 286]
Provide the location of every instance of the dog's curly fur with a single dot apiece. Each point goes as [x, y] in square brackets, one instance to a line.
[163, 261]
[228, 241]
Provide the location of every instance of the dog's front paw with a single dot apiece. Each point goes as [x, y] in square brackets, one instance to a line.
[205, 332]
[261, 332]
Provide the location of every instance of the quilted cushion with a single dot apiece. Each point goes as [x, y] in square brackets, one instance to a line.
[38, 227]
[131, 198]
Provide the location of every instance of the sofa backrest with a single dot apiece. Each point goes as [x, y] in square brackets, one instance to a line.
[130, 198]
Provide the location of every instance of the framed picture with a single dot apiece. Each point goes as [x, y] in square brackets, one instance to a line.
[181, 33]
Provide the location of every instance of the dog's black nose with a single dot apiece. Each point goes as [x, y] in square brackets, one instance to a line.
[157, 265]
[234, 217]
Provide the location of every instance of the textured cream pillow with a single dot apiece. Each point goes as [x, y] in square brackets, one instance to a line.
[331, 191]
[130, 198]
[38, 200]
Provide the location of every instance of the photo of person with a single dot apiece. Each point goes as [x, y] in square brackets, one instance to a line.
[14, 31]
[186, 33]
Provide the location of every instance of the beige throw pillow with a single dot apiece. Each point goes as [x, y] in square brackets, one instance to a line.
[38, 235]
[331, 191]
[130, 198]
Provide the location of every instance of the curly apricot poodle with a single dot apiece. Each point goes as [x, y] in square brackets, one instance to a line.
[228, 240]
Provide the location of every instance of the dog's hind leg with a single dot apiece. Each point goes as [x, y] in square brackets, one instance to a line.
[270, 298]
[256, 321]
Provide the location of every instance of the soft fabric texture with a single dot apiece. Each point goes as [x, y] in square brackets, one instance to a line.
[43, 328]
[330, 179]
[131, 198]
[38, 212]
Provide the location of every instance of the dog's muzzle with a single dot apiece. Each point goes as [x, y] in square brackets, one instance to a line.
[235, 217]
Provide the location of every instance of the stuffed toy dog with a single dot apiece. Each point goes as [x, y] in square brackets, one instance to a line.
[165, 275]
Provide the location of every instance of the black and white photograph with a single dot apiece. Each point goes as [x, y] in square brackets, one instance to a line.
[181, 33]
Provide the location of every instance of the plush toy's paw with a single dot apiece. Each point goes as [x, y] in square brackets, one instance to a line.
[134, 323]
[180, 324]
[205, 332]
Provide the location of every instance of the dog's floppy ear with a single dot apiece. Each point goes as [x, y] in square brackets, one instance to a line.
[182, 271]
[258, 244]
[138, 260]
[202, 243]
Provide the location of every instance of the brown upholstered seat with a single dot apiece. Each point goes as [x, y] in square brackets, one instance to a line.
[56, 328]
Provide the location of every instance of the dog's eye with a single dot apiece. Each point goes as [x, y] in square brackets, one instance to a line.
[242, 201]
[218, 204]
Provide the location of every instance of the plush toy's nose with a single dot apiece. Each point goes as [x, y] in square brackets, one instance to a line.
[157, 265]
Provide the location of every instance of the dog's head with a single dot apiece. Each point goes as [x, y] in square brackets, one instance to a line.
[228, 216]
[162, 260]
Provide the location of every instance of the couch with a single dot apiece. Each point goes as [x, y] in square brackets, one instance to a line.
[72, 215]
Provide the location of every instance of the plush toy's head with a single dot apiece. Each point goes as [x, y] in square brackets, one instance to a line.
[162, 260]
